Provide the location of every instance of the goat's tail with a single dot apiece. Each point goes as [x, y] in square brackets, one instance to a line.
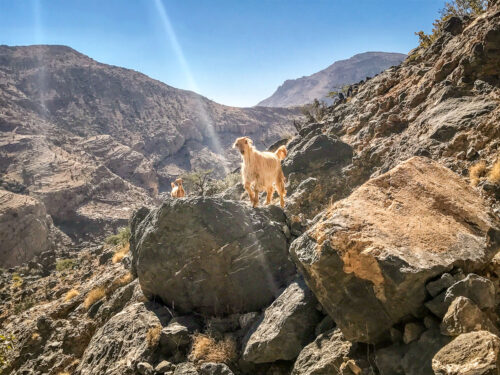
[281, 152]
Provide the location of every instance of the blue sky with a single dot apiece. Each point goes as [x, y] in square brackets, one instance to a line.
[235, 52]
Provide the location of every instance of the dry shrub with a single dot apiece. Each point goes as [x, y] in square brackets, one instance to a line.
[119, 282]
[71, 294]
[120, 254]
[63, 373]
[153, 336]
[94, 295]
[494, 175]
[207, 349]
[476, 172]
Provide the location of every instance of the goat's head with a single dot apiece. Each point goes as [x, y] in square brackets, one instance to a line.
[243, 144]
[178, 181]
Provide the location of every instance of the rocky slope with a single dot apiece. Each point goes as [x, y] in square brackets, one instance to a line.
[93, 141]
[384, 260]
[304, 90]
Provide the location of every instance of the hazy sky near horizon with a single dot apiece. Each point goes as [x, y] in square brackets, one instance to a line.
[235, 52]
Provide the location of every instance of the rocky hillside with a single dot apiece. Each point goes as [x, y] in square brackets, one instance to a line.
[385, 259]
[93, 141]
[304, 90]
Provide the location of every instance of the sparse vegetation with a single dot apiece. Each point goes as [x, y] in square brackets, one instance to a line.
[460, 8]
[494, 175]
[65, 264]
[197, 181]
[119, 239]
[314, 112]
[207, 349]
[153, 336]
[24, 305]
[94, 295]
[6, 345]
[120, 253]
[71, 294]
[218, 186]
[119, 282]
[17, 280]
[476, 172]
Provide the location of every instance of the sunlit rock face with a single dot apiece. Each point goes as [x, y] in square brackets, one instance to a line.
[368, 258]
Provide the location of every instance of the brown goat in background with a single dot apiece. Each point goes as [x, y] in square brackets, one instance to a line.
[177, 189]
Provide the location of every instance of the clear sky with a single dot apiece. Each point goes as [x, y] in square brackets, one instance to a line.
[235, 52]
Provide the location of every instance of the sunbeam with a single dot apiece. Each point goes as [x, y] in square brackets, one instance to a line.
[202, 112]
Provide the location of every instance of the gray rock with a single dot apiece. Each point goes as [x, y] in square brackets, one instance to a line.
[437, 305]
[145, 368]
[418, 358]
[324, 355]
[215, 369]
[186, 368]
[389, 359]
[464, 316]
[478, 289]
[474, 353]
[204, 255]
[229, 323]
[368, 263]
[246, 320]
[177, 334]
[444, 282]
[118, 346]
[287, 326]
[326, 324]
[164, 367]
[412, 332]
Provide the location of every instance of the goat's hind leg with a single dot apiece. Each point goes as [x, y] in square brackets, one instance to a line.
[255, 202]
[280, 187]
[270, 191]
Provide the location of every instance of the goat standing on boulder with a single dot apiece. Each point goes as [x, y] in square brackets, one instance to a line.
[177, 189]
[261, 170]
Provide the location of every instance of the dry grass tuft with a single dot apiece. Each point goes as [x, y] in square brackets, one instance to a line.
[94, 295]
[207, 349]
[120, 254]
[63, 373]
[71, 294]
[476, 172]
[153, 336]
[494, 175]
[119, 282]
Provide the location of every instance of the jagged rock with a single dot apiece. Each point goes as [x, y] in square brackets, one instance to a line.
[479, 289]
[286, 327]
[176, 335]
[119, 345]
[368, 258]
[203, 255]
[474, 353]
[437, 305]
[145, 368]
[215, 369]
[229, 323]
[324, 355]
[389, 359]
[464, 316]
[419, 354]
[412, 332]
[24, 228]
[326, 324]
[185, 368]
[164, 367]
[444, 282]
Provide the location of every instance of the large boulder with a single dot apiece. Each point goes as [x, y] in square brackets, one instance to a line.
[24, 228]
[369, 257]
[121, 344]
[474, 353]
[287, 326]
[212, 256]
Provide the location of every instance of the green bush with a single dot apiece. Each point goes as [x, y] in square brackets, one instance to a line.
[121, 238]
[65, 264]
[218, 186]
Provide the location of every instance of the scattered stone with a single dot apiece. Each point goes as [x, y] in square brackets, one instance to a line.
[145, 368]
[324, 355]
[465, 316]
[444, 282]
[478, 289]
[185, 368]
[412, 332]
[418, 358]
[164, 367]
[176, 336]
[389, 359]
[473, 353]
[215, 369]
[326, 324]
[286, 327]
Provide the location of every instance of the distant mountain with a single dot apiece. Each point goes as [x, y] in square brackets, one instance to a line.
[316, 86]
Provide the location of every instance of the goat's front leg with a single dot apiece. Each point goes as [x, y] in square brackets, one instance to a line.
[269, 196]
[249, 191]
[256, 197]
